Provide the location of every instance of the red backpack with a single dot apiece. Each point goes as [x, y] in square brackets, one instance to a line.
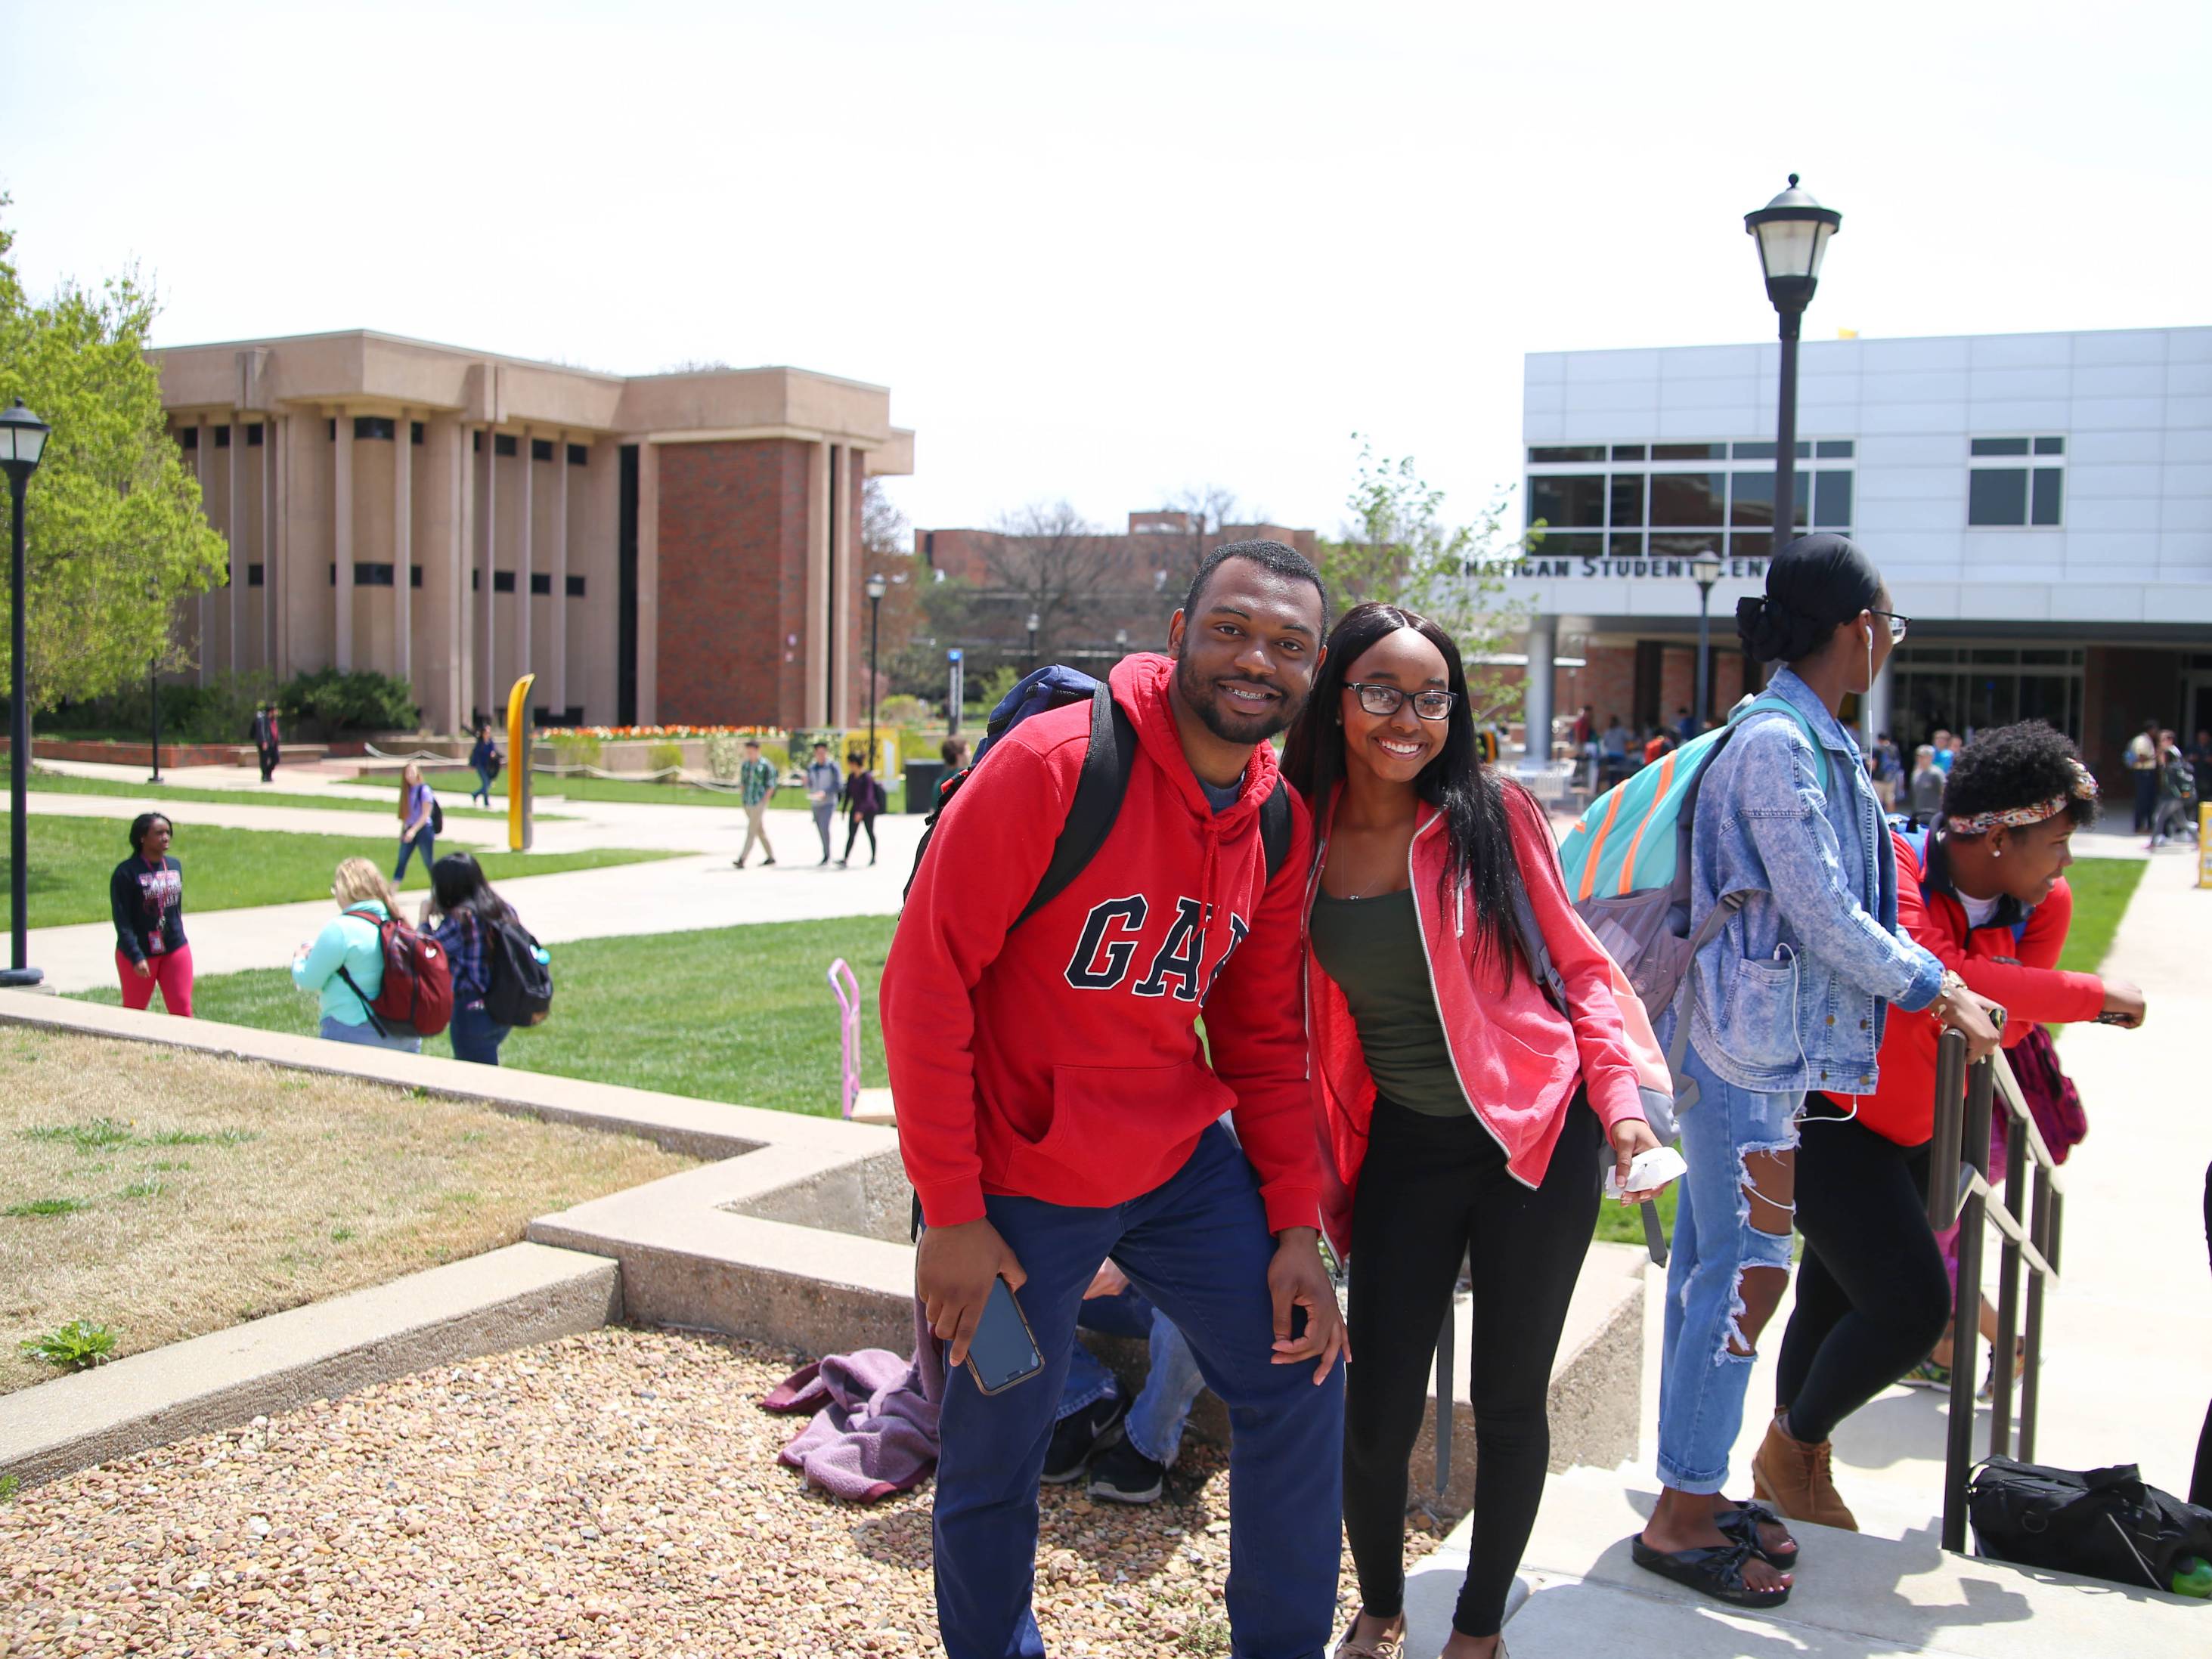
[417, 993]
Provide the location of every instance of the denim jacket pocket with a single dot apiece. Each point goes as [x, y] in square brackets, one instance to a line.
[1759, 1013]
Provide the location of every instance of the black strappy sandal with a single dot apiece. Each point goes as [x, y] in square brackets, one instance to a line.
[1717, 1572]
[1743, 1524]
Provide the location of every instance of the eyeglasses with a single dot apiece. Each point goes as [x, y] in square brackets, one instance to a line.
[1387, 699]
[1897, 625]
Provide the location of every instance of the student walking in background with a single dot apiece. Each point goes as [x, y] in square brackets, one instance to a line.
[268, 741]
[2142, 756]
[756, 787]
[418, 821]
[1984, 891]
[1927, 788]
[146, 898]
[822, 786]
[484, 761]
[463, 915]
[1464, 1111]
[863, 797]
[1800, 967]
[344, 963]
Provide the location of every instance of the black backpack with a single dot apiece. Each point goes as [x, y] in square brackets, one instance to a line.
[1107, 764]
[2101, 1523]
[519, 991]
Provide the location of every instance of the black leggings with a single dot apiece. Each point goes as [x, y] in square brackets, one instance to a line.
[854, 825]
[1432, 1189]
[1872, 1293]
[2200, 1483]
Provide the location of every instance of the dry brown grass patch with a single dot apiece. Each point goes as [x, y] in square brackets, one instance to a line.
[214, 1191]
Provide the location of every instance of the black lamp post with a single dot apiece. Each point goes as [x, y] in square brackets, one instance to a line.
[1793, 231]
[22, 441]
[1704, 570]
[875, 587]
[1034, 625]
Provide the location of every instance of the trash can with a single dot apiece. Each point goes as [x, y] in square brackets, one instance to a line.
[922, 777]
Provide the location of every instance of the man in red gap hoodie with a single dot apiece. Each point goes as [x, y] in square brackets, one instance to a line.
[1055, 1107]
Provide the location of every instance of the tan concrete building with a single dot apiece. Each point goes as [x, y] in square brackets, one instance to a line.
[656, 548]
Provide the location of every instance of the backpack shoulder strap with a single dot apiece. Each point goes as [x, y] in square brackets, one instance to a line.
[1275, 826]
[1107, 764]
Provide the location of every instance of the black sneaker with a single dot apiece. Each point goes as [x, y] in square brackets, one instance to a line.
[1123, 1474]
[1077, 1436]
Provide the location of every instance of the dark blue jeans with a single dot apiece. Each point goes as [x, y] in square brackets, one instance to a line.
[476, 1035]
[1198, 1246]
[425, 844]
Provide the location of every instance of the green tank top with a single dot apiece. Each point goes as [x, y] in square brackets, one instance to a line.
[1372, 947]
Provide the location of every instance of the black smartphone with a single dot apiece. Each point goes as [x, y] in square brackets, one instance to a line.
[1003, 1352]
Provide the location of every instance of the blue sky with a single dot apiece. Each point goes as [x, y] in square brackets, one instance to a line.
[1106, 253]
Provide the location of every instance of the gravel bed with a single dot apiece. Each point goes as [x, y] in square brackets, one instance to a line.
[615, 1493]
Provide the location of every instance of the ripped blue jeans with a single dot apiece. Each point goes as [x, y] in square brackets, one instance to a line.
[1701, 1382]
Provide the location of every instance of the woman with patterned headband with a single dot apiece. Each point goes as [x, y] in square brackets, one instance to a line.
[1985, 890]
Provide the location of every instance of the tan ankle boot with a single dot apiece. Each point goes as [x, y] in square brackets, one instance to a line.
[1793, 1475]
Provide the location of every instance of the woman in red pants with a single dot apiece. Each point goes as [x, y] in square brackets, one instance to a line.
[146, 895]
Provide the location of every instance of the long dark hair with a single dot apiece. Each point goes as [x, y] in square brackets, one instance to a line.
[457, 886]
[1479, 854]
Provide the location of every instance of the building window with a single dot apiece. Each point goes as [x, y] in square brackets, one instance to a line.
[375, 426]
[503, 445]
[502, 581]
[1554, 454]
[575, 588]
[1674, 500]
[541, 581]
[2016, 482]
[253, 575]
[222, 437]
[475, 581]
[579, 455]
[188, 439]
[253, 435]
[331, 427]
[476, 442]
[541, 449]
[415, 432]
[414, 576]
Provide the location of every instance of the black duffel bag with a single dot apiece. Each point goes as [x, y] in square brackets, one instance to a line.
[2099, 1523]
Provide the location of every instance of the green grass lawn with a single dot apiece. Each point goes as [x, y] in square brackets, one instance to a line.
[2101, 888]
[655, 794]
[741, 1014]
[225, 869]
[163, 794]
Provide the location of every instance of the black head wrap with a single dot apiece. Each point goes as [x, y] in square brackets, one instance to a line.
[1814, 583]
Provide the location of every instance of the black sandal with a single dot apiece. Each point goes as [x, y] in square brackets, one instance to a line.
[1717, 1572]
[1743, 1522]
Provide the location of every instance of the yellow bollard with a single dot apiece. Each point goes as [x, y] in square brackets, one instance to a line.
[2204, 844]
[519, 773]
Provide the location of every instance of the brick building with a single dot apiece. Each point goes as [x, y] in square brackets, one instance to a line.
[656, 549]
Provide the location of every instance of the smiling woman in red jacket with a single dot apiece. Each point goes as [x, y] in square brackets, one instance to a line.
[1461, 1108]
[1987, 895]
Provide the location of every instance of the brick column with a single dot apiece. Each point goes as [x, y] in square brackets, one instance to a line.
[237, 566]
[818, 704]
[557, 611]
[403, 549]
[522, 561]
[342, 547]
[202, 467]
[488, 612]
[270, 488]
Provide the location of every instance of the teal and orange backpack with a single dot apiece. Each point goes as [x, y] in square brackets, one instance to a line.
[1628, 866]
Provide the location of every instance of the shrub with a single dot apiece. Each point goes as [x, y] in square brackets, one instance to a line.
[78, 1346]
[903, 711]
[363, 701]
[664, 757]
[221, 711]
[723, 753]
[575, 748]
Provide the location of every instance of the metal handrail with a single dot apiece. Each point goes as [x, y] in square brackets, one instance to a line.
[1958, 1190]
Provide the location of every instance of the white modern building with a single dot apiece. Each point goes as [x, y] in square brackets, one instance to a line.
[2041, 505]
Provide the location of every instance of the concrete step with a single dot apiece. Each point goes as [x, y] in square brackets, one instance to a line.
[1857, 1596]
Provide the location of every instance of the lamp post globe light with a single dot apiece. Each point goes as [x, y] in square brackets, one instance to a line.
[1704, 570]
[23, 442]
[875, 587]
[1792, 232]
[1034, 623]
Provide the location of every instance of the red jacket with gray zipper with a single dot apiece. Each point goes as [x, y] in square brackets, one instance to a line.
[1519, 1056]
[1060, 1060]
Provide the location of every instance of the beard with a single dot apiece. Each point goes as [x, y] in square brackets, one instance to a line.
[1228, 724]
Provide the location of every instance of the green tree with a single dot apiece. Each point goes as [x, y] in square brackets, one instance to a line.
[114, 533]
[1396, 547]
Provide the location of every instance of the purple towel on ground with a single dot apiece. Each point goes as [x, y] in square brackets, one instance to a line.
[874, 1430]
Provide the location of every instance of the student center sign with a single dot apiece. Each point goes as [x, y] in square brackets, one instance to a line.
[2041, 505]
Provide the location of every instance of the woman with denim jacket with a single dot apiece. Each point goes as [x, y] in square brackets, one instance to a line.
[1793, 901]
[1463, 1108]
